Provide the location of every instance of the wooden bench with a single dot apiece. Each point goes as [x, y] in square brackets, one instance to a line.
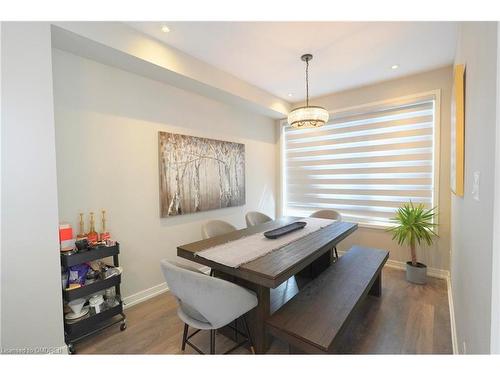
[313, 318]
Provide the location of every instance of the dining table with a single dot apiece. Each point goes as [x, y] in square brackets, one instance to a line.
[310, 254]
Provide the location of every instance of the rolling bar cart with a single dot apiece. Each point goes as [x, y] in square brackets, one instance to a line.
[93, 323]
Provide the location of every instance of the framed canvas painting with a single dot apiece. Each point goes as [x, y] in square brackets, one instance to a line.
[458, 131]
[198, 174]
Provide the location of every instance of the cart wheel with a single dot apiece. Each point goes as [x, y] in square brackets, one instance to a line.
[71, 349]
[123, 326]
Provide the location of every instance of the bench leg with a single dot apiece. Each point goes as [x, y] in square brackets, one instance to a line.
[376, 289]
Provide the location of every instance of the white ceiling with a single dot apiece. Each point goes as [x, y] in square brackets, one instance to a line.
[346, 54]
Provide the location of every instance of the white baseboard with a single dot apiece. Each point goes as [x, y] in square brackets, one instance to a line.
[432, 272]
[144, 295]
[454, 340]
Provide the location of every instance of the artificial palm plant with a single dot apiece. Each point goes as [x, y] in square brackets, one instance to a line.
[415, 224]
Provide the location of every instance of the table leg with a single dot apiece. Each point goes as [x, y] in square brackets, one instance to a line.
[257, 317]
[321, 264]
[257, 320]
[376, 289]
[314, 269]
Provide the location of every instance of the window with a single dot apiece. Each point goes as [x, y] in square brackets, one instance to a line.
[365, 162]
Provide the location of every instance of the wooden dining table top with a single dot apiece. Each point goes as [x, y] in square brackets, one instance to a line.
[274, 268]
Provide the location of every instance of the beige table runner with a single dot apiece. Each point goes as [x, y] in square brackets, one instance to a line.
[245, 249]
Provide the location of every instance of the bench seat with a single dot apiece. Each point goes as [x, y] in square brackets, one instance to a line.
[312, 319]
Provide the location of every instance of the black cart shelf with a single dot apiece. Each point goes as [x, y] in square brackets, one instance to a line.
[90, 255]
[93, 323]
[84, 291]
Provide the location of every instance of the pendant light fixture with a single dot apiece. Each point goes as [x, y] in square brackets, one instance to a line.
[308, 116]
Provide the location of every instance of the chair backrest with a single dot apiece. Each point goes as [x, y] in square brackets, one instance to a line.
[255, 218]
[327, 214]
[206, 298]
[214, 228]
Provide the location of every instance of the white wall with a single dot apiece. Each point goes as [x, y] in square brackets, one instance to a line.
[107, 123]
[31, 277]
[472, 230]
[495, 282]
[436, 256]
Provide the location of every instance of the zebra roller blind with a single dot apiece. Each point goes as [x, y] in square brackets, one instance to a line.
[363, 163]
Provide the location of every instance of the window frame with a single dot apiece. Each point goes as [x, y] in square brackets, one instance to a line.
[363, 108]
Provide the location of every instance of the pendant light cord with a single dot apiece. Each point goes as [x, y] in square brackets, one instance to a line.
[307, 83]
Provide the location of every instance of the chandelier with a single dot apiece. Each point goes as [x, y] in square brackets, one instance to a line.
[309, 116]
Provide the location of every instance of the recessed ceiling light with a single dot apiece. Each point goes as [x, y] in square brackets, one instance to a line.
[395, 66]
[165, 29]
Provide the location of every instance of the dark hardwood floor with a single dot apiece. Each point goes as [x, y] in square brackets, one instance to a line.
[407, 319]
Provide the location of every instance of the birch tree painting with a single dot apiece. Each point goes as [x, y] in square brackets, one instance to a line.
[199, 174]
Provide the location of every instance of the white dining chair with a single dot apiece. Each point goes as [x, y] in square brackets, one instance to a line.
[215, 228]
[327, 214]
[208, 303]
[255, 218]
[332, 215]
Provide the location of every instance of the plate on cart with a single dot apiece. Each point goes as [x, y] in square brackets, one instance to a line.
[73, 316]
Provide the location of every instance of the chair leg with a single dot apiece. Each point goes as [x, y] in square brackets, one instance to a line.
[247, 331]
[211, 272]
[184, 337]
[212, 341]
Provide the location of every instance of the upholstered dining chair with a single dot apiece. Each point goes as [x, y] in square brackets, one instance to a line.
[327, 214]
[332, 215]
[207, 303]
[255, 218]
[214, 228]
